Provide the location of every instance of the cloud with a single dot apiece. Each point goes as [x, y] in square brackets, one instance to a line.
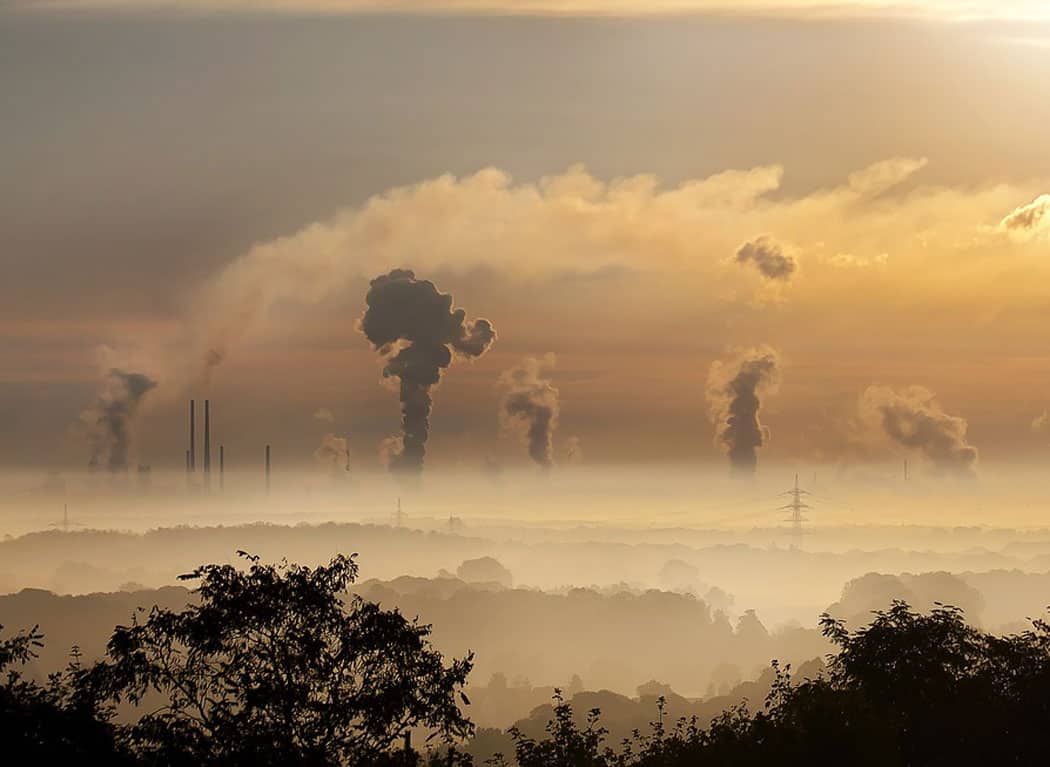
[1028, 218]
[913, 419]
[532, 232]
[956, 10]
[769, 258]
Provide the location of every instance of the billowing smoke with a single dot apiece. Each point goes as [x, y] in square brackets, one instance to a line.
[769, 258]
[109, 423]
[912, 418]
[530, 406]
[1041, 423]
[333, 454]
[415, 327]
[734, 392]
[1028, 217]
[573, 451]
[324, 414]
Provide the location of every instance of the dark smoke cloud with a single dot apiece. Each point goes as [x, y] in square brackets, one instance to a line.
[912, 418]
[769, 258]
[734, 391]
[212, 359]
[531, 406]
[333, 453]
[416, 328]
[109, 422]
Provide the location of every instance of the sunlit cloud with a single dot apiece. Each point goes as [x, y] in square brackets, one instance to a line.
[954, 10]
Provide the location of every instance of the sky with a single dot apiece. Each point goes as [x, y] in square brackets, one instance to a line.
[648, 197]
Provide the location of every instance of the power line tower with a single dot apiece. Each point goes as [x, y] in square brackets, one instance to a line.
[399, 518]
[796, 507]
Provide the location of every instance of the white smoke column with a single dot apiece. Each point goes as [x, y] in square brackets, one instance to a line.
[913, 419]
[734, 392]
[333, 454]
[530, 406]
[109, 423]
[573, 451]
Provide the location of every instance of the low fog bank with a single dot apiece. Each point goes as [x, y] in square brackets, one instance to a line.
[782, 584]
[684, 504]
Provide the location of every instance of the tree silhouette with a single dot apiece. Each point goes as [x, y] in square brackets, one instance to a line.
[274, 666]
[60, 721]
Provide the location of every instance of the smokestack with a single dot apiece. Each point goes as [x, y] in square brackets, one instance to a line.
[207, 445]
[193, 436]
[187, 463]
[222, 468]
[267, 469]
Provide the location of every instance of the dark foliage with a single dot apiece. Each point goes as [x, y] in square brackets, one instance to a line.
[908, 689]
[271, 667]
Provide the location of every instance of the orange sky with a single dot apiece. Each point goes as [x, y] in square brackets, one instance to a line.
[199, 182]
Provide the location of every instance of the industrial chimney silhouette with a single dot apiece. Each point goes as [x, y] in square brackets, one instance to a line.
[193, 436]
[267, 469]
[207, 445]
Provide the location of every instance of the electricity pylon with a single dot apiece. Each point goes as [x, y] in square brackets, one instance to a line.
[796, 507]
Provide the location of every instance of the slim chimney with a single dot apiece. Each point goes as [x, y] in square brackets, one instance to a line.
[193, 436]
[207, 445]
[222, 468]
[267, 469]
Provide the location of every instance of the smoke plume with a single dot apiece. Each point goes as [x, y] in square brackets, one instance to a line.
[415, 327]
[530, 406]
[769, 258]
[324, 414]
[734, 391]
[109, 422]
[333, 453]
[912, 418]
[573, 451]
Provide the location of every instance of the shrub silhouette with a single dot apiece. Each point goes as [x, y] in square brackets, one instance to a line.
[908, 689]
[275, 665]
[271, 667]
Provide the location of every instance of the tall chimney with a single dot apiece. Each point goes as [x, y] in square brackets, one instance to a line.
[207, 445]
[222, 467]
[267, 469]
[193, 436]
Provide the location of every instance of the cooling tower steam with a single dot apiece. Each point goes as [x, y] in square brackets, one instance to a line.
[415, 327]
[110, 421]
[333, 453]
[573, 450]
[912, 418]
[530, 406]
[734, 396]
